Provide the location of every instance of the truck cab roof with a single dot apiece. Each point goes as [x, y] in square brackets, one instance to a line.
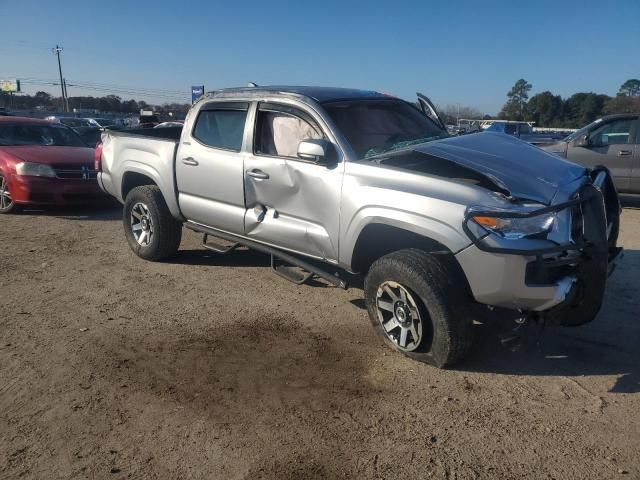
[319, 94]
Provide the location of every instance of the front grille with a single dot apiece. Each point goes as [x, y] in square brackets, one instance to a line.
[76, 173]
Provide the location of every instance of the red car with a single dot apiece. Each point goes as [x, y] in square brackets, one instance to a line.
[43, 163]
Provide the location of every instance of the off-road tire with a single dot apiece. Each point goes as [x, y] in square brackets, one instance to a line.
[443, 298]
[167, 230]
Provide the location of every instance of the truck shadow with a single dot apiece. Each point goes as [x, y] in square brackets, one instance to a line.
[100, 210]
[242, 257]
[630, 201]
[607, 346]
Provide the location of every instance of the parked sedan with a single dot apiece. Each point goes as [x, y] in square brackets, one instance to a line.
[43, 163]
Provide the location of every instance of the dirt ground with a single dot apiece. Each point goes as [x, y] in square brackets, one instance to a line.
[211, 367]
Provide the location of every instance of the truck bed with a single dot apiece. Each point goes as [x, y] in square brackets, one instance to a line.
[148, 152]
[168, 133]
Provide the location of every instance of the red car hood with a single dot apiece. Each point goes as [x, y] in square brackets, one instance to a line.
[52, 155]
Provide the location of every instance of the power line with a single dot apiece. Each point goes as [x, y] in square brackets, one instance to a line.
[105, 87]
[122, 91]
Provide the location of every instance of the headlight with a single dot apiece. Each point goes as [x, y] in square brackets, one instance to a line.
[35, 170]
[515, 228]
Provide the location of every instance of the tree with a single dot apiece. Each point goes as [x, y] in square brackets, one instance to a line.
[582, 108]
[630, 88]
[622, 104]
[451, 113]
[516, 106]
[545, 109]
[44, 98]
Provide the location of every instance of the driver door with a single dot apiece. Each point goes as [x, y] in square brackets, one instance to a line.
[290, 202]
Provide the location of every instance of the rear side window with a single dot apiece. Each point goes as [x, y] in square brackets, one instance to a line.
[221, 127]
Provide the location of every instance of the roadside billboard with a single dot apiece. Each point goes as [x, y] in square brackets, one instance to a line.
[10, 85]
[196, 92]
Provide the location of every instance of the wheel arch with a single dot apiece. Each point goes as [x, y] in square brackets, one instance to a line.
[132, 179]
[136, 177]
[378, 239]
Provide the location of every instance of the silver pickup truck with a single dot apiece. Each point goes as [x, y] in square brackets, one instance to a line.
[332, 182]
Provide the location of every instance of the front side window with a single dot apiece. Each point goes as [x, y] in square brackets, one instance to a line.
[373, 127]
[280, 129]
[220, 128]
[42, 135]
[510, 129]
[612, 133]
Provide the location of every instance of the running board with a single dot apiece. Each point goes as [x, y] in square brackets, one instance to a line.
[288, 274]
[282, 270]
[221, 249]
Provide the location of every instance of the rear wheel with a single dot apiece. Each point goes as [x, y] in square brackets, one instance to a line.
[420, 307]
[151, 230]
[7, 205]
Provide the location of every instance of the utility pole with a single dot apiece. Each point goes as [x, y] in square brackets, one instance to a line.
[66, 94]
[57, 51]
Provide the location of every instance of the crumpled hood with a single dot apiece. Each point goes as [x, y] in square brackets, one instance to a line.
[527, 172]
[52, 155]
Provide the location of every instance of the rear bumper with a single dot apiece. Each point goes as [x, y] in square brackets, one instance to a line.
[42, 190]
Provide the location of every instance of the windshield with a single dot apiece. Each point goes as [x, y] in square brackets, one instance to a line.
[45, 135]
[75, 122]
[377, 126]
[582, 131]
[104, 122]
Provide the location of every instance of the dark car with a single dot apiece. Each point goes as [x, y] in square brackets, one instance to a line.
[523, 131]
[88, 129]
[612, 141]
[43, 162]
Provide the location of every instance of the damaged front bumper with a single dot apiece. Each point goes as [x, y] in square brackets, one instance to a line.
[564, 282]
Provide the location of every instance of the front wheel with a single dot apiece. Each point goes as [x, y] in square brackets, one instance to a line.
[420, 307]
[7, 205]
[151, 230]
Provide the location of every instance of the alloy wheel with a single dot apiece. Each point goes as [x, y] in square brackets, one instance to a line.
[141, 224]
[399, 315]
[6, 202]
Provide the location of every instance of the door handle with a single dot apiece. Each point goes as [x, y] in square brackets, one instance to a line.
[259, 174]
[190, 161]
[624, 153]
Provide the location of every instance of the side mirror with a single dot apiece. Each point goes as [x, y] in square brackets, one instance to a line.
[583, 141]
[313, 150]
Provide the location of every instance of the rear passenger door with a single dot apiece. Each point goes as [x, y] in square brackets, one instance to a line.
[209, 167]
[612, 145]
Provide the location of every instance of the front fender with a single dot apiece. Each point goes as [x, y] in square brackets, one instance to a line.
[422, 225]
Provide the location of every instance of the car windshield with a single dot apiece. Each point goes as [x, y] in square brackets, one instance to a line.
[373, 127]
[45, 135]
[104, 122]
[75, 122]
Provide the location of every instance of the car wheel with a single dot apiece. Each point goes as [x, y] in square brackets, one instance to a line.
[7, 205]
[420, 307]
[151, 230]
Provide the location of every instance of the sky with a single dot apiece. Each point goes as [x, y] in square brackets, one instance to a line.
[466, 52]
